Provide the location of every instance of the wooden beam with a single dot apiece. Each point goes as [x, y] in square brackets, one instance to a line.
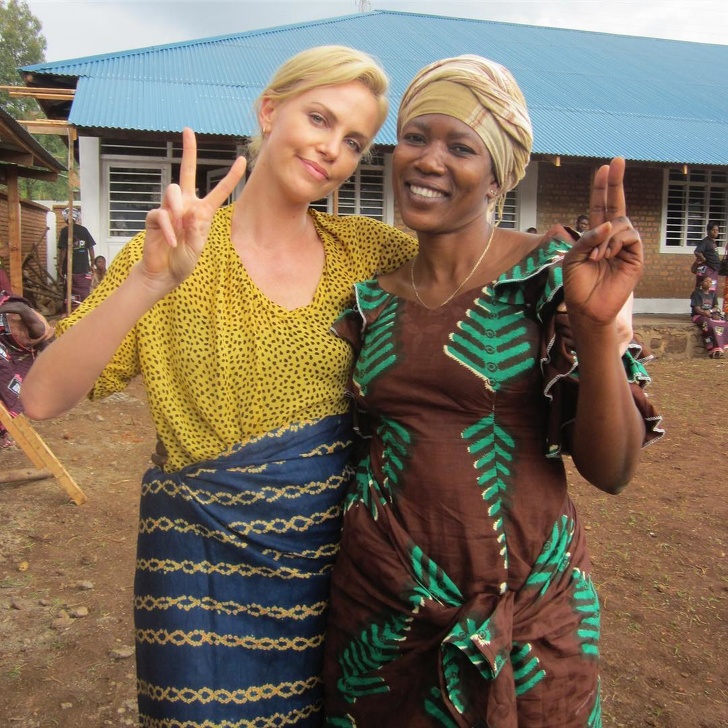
[29, 173]
[22, 159]
[24, 474]
[14, 239]
[39, 453]
[45, 126]
[36, 92]
[69, 247]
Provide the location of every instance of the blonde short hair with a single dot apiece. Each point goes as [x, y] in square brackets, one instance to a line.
[330, 65]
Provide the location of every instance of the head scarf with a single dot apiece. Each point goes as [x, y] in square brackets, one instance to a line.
[76, 214]
[485, 96]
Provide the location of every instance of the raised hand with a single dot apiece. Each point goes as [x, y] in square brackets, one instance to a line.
[177, 230]
[604, 266]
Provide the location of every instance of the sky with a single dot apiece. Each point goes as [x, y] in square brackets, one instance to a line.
[76, 28]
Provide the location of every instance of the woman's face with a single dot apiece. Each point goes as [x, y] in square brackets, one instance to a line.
[442, 174]
[315, 140]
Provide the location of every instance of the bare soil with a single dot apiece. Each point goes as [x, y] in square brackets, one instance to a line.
[659, 554]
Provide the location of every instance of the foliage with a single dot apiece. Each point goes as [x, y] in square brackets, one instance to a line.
[22, 44]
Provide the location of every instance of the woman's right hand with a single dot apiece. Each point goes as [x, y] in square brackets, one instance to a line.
[177, 230]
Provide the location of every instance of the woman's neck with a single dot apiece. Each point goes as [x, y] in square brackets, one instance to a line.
[264, 217]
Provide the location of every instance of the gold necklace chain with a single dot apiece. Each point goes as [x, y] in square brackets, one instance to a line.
[464, 281]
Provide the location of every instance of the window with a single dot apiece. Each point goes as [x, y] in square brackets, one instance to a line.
[694, 199]
[509, 218]
[134, 190]
[136, 173]
[362, 194]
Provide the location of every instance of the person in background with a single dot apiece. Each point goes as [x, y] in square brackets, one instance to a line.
[462, 594]
[23, 334]
[582, 223]
[82, 260]
[99, 271]
[706, 253]
[709, 319]
[227, 313]
[532, 230]
[4, 276]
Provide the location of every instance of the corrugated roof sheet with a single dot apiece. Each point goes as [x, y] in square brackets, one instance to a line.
[590, 94]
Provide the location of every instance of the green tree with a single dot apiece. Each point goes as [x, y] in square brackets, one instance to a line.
[22, 44]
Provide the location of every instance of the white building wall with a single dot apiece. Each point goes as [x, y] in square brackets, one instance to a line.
[92, 205]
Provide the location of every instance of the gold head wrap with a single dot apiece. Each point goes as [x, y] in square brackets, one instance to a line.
[485, 96]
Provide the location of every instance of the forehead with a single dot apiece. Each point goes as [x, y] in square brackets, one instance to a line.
[351, 105]
[443, 124]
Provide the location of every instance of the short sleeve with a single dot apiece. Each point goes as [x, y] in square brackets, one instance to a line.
[124, 365]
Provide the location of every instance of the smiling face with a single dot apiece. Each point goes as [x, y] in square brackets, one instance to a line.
[314, 141]
[443, 175]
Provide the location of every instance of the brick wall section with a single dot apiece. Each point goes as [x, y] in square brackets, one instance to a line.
[563, 193]
[32, 226]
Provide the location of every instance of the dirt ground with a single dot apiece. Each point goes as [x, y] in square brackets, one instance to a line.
[659, 553]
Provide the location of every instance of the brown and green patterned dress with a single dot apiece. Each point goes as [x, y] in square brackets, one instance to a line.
[462, 595]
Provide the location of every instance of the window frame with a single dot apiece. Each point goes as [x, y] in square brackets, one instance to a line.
[368, 167]
[712, 204]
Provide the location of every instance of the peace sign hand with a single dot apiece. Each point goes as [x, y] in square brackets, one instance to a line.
[604, 266]
[177, 230]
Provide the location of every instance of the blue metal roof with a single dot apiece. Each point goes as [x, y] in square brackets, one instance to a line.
[590, 94]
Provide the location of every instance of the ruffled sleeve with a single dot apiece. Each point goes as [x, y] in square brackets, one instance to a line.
[560, 368]
[540, 276]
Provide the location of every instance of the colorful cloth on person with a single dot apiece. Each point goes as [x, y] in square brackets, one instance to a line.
[18, 350]
[462, 595]
[80, 288]
[233, 567]
[712, 324]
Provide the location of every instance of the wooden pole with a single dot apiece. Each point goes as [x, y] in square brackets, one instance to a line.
[31, 443]
[14, 235]
[69, 248]
[24, 474]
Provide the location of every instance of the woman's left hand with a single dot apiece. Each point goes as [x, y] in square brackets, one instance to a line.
[602, 268]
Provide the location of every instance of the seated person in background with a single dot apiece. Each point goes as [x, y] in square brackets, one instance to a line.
[708, 317]
[23, 333]
[98, 271]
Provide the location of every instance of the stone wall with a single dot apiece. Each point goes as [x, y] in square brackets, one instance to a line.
[674, 338]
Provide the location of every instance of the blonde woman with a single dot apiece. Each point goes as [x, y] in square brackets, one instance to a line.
[226, 314]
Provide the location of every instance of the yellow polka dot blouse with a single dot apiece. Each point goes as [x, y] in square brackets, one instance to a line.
[221, 362]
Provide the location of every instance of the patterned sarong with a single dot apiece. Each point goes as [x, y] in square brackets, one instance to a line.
[233, 567]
